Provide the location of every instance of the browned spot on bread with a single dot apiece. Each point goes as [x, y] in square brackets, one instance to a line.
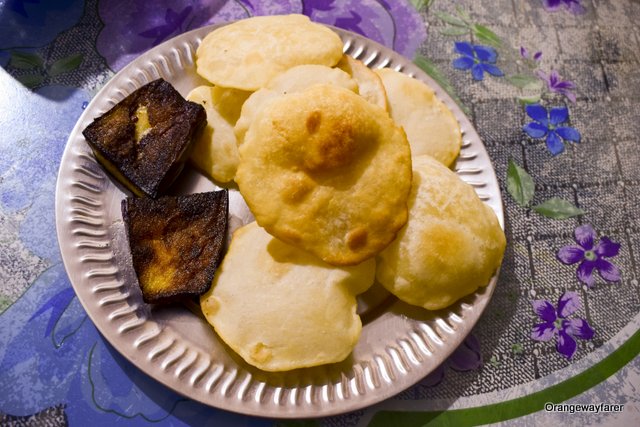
[313, 121]
[331, 147]
[299, 187]
[290, 236]
[357, 238]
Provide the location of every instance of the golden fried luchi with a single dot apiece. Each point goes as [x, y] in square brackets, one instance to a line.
[370, 85]
[281, 308]
[215, 150]
[248, 53]
[452, 243]
[295, 79]
[430, 126]
[328, 172]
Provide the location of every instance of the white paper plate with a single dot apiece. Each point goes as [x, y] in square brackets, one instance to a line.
[399, 344]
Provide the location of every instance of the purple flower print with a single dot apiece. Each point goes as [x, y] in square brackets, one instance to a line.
[524, 52]
[352, 23]
[556, 84]
[591, 256]
[130, 31]
[173, 24]
[397, 25]
[549, 124]
[556, 323]
[478, 59]
[572, 6]
[466, 357]
[308, 7]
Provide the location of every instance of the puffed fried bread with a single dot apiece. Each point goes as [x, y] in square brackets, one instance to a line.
[326, 171]
[215, 150]
[451, 245]
[281, 308]
[248, 53]
[370, 85]
[430, 126]
[294, 79]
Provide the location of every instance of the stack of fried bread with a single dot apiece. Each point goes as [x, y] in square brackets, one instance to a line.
[346, 171]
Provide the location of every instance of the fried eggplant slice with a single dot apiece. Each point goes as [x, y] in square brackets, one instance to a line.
[176, 243]
[145, 139]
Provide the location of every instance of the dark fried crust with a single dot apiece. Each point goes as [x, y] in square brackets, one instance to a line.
[150, 166]
[176, 243]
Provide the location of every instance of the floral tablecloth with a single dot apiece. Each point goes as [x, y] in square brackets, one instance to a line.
[552, 87]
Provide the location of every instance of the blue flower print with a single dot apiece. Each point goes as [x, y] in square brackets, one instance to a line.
[48, 345]
[549, 124]
[36, 23]
[478, 59]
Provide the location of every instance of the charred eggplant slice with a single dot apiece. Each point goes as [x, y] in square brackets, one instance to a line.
[145, 139]
[176, 242]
